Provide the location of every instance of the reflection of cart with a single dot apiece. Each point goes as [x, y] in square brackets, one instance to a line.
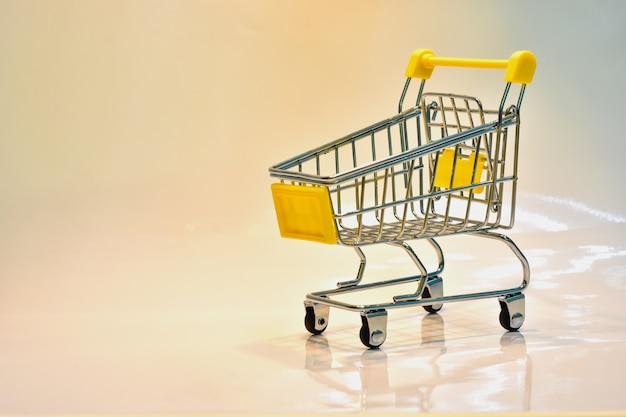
[422, 377]
[443, 167]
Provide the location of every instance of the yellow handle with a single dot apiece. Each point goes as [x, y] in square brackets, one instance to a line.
[520, 67]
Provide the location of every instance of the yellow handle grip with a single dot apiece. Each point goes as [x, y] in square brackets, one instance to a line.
[520, 67]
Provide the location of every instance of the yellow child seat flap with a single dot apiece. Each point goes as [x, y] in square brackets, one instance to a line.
[462, 170]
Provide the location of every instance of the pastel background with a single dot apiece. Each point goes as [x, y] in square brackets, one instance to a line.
[137, 237]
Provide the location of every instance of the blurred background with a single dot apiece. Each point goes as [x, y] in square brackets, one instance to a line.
[135, 138]
[180, 106]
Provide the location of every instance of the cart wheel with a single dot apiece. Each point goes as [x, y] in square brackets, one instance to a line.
[315, 324]
[433, 289]
[374, 329]
[512, 311]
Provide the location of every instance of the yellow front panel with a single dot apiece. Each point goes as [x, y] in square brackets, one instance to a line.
[304, 212]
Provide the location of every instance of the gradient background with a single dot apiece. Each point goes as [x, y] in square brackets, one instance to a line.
[182, 105]
[135, 138]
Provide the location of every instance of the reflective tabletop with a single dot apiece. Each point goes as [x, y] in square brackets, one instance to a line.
[101, 317]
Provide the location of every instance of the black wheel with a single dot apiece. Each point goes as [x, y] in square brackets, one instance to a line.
[505, 318]
[432, 309]
[365, 334]
[310, 322]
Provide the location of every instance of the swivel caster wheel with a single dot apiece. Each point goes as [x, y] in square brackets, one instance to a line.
[316, 317]
[433, 289]
[374, 328]
[512, 311]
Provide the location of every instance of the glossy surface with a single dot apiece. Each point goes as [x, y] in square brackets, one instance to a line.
[100, 318]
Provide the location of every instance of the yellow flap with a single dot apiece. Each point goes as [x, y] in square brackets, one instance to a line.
[304, 212]
[462, 170]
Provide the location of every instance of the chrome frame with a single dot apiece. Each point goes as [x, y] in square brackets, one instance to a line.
[381, 183]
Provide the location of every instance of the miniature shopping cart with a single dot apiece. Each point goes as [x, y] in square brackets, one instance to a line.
[446, 166]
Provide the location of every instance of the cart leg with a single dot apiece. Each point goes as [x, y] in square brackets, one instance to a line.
[359, 274]
[513, 303]
[423, 274]
[512, 311]
[439, 253]
[513, 247]
[316, 317]
[374, 329]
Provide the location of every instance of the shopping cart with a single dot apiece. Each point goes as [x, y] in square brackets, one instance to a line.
[446, 166]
